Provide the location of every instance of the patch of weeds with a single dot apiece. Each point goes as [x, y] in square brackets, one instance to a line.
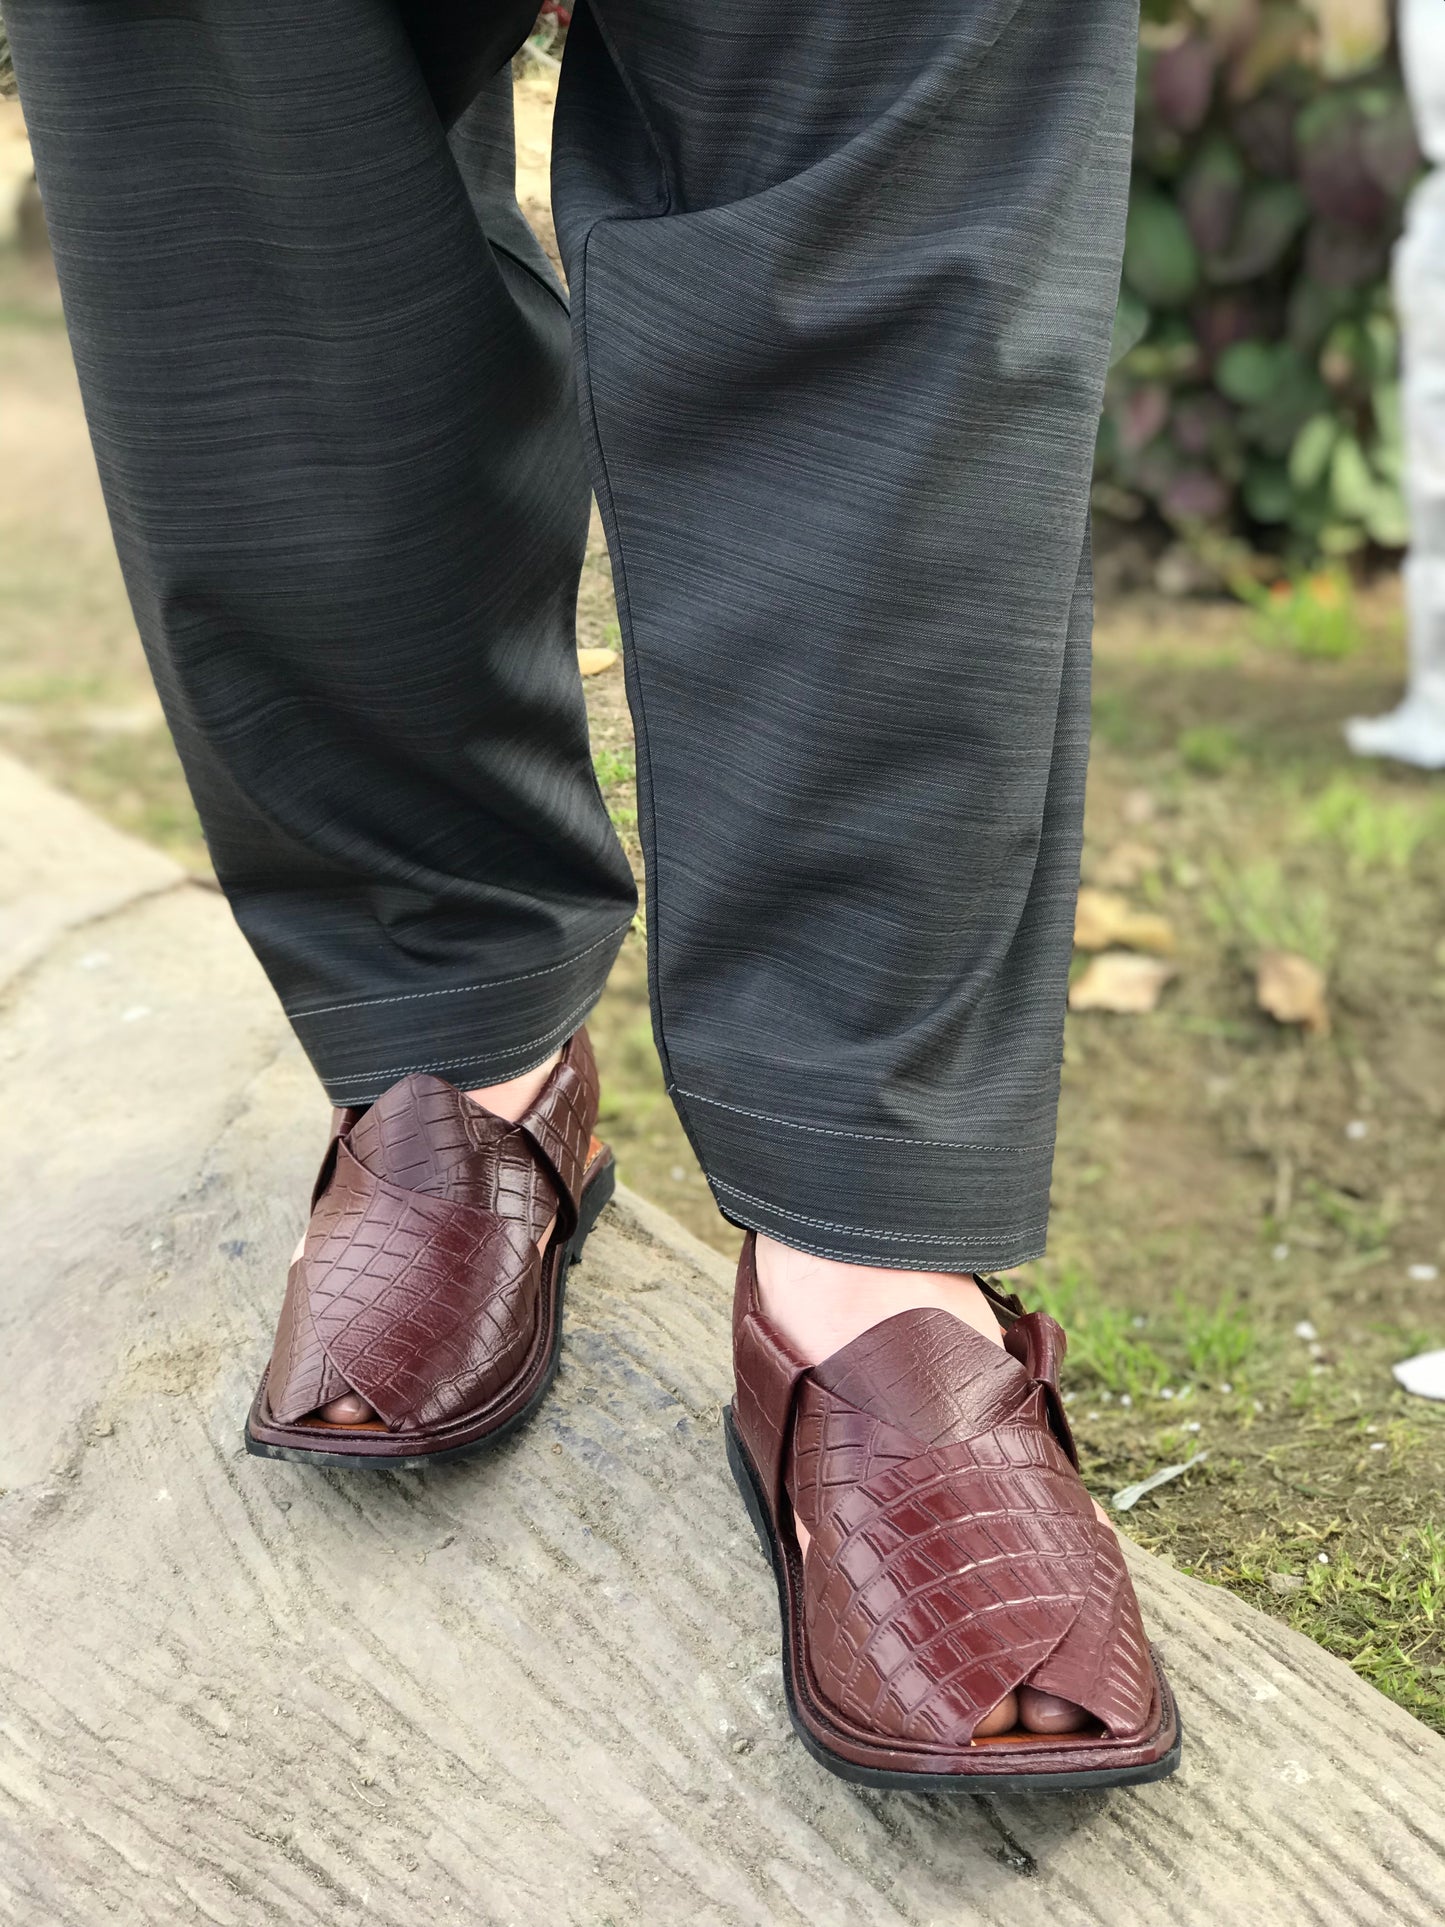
[1105, 1345]
[1385, 1616]
[1219, 1341]
[1365, 1224]
[1256, 909]
[614, 766]
[1116, 721]
[1209, 750]
[1374, 833]
[42, 689]
[1314, 616]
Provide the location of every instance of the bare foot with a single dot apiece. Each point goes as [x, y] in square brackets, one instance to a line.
[507, 1100]
[820, 1304]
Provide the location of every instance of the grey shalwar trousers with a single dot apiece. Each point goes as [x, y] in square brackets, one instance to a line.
[842, 280]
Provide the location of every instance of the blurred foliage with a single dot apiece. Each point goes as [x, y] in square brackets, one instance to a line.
[1255, 389]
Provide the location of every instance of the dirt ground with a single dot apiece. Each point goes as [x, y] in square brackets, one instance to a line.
[1249, 1221]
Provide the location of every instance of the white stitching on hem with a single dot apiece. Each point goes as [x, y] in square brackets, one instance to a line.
[459, 990]
[901, 1261]
[861, 1137]
[478, 1057]
[853, 1230]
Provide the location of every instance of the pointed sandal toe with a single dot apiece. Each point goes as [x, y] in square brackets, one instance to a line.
[427, 1283]
[954, 1555]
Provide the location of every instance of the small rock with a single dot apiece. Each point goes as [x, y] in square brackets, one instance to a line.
[1304, 1329]
[1423, 1274]
[1356, 1129]
[1284, 1583]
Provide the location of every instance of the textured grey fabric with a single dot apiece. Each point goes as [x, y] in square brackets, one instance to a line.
[843, 279]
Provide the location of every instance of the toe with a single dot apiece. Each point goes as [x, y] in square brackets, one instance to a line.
[1047, 1713]
[1002, 1719]
[350, 1409]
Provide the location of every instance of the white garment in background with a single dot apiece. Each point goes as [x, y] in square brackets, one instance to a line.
[1415, 732]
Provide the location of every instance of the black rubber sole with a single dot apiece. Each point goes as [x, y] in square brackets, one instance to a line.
[887, 1780]
[594, 1200]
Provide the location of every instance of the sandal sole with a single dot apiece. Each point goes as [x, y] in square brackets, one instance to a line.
[888, 1779]
[596, 1195]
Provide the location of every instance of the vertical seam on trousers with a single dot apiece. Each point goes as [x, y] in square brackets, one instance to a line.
[639, 107]
[632, 666]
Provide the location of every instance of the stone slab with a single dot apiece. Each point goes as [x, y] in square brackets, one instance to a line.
[61, 867]
[536, 1689]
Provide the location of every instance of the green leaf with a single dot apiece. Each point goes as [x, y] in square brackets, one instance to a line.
[1131, 324]
[1267, 492]
[1389, 420]
[1388, 519]
[1161, 266]
[1270, 216]
[1247, 372]
[1352, 485]
[1342, 538]
[1313, 447]
[1383, 339]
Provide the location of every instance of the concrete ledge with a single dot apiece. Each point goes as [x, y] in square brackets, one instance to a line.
[539, 1688]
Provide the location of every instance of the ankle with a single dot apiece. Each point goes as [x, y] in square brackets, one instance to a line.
[819, 1304]
[516, 1094]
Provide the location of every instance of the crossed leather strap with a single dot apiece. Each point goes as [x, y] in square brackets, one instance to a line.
[955, 1554]
[419, 1283]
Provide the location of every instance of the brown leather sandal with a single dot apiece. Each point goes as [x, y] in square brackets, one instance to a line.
[954, 1555]
[421, 1286]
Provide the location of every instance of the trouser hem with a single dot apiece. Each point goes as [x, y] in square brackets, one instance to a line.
[472, 1034]
[869, 1199]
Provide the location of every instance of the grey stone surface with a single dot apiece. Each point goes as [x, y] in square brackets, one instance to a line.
[61, 867]
[537, 1688]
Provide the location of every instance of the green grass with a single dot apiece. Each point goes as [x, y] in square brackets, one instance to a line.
[1373, 833]
[1255, 907]
[1385, 1616]
[1209, 750]
[614, 766]
[1315, 617]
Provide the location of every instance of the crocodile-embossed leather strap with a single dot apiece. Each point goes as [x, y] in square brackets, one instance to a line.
[954, 1553]
[418, 1284]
